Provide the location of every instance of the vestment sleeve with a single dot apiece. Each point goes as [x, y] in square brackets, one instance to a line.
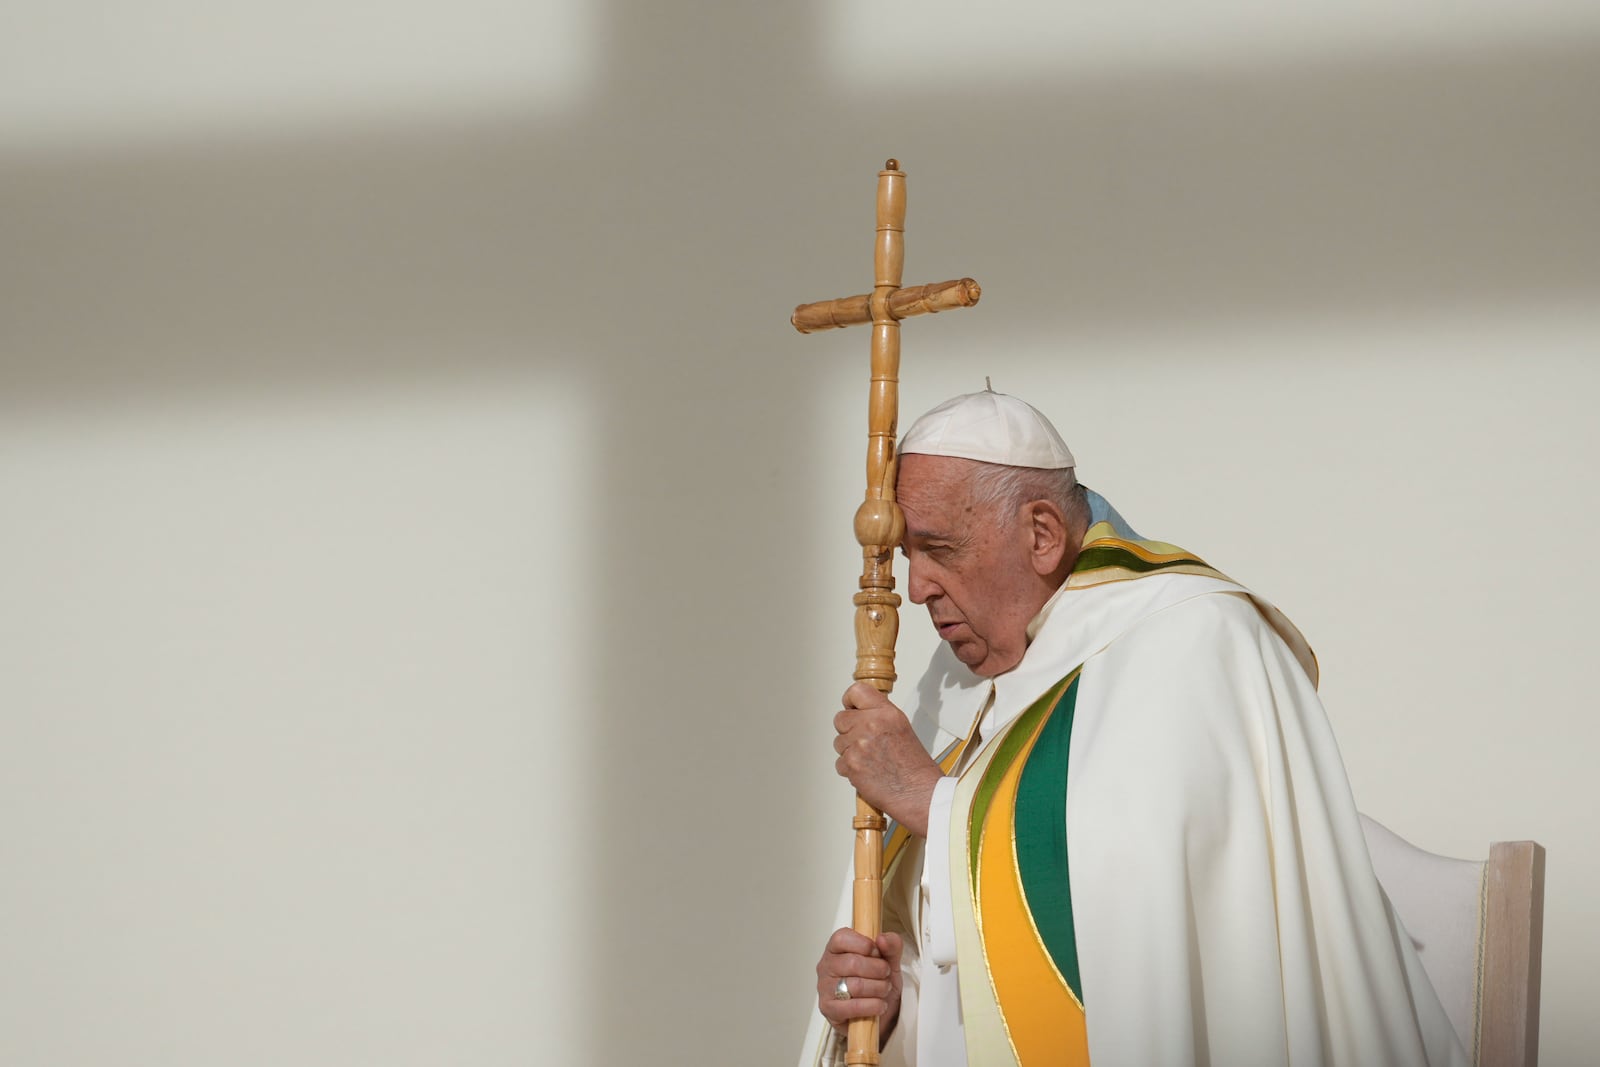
[938, 920]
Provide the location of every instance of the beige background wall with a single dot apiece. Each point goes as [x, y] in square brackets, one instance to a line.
[424, 545]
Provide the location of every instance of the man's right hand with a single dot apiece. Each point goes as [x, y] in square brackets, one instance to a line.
[871, 972]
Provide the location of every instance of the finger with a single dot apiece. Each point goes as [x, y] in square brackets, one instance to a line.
[892, 946]
[846, 940]
[839, 1012]
[861, 989]
[835, 966]
[863, 695]
[845, 721]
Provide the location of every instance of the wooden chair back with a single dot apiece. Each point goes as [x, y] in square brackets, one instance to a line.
[1478, 927]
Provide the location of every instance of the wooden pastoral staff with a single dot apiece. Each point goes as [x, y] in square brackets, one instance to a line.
[879, 524]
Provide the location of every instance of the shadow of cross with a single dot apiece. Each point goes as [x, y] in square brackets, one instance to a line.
[591, 246]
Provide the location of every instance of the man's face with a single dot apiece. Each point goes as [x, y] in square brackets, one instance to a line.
[968, 565]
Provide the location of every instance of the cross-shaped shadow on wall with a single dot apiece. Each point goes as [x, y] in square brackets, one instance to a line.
[650, 246]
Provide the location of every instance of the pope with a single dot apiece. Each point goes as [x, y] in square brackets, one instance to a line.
[1122, 832]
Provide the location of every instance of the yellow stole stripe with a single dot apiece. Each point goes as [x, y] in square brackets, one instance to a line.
[1044, 1021]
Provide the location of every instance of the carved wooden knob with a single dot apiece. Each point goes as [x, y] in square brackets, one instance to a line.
[880, 523]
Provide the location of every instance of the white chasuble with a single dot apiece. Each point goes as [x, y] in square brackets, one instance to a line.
[1222, 906]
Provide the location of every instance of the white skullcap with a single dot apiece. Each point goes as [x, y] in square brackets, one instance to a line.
[990, 428]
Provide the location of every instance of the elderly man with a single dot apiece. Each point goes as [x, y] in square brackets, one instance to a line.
[1124, 834]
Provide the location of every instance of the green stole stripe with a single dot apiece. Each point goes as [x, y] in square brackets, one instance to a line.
[1040, 829]
[1101, 556]
[1012, 744]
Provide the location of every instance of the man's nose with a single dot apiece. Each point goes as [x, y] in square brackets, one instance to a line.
[919, 587]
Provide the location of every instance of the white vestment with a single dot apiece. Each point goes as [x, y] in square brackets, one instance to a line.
[1223, 901]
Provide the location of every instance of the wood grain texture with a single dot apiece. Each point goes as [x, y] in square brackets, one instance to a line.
[878, 528]
[903, 304]
[1512, 955]
[879, 524]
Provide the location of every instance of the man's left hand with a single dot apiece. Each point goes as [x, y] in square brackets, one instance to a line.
[883, 759]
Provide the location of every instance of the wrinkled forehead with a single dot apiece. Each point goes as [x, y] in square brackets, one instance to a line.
[934, 489]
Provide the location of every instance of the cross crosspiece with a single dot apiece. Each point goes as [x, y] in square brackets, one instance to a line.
[879, 523]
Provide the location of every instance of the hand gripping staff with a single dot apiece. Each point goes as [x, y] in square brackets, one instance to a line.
[879, 524]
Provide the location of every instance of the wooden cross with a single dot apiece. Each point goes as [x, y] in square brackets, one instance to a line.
[879, 524]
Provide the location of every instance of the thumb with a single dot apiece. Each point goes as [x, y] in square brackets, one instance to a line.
[863, 695]
[892, 947]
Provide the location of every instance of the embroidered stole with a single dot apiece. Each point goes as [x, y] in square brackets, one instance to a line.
[1022, 997]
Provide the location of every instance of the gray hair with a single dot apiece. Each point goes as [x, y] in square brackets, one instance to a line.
[1004, 490]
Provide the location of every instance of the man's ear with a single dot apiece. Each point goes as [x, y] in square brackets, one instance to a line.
[1047, 536]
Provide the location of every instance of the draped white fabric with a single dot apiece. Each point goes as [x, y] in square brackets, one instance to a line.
[1223, 900]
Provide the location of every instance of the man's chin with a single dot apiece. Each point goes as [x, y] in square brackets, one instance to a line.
[979, 659]
[969, 652]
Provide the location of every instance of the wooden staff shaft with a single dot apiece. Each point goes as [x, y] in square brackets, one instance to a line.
[903, 303]
[879, 523]
[878, 527]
